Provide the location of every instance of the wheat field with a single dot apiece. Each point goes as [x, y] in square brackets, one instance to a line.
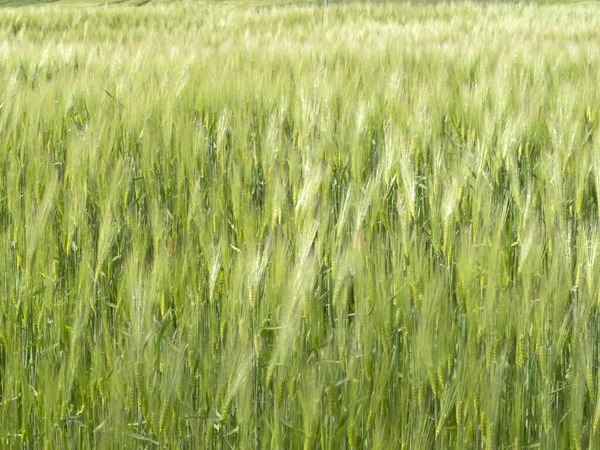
[237, 226]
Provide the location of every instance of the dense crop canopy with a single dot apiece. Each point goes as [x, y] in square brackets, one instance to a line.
[226, 226]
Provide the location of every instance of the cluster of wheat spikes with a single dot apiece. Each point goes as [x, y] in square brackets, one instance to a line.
[226, 226]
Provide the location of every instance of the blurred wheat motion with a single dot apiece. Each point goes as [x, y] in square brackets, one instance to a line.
[297, 227]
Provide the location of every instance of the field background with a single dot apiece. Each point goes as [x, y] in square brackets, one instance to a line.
[296, 227]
